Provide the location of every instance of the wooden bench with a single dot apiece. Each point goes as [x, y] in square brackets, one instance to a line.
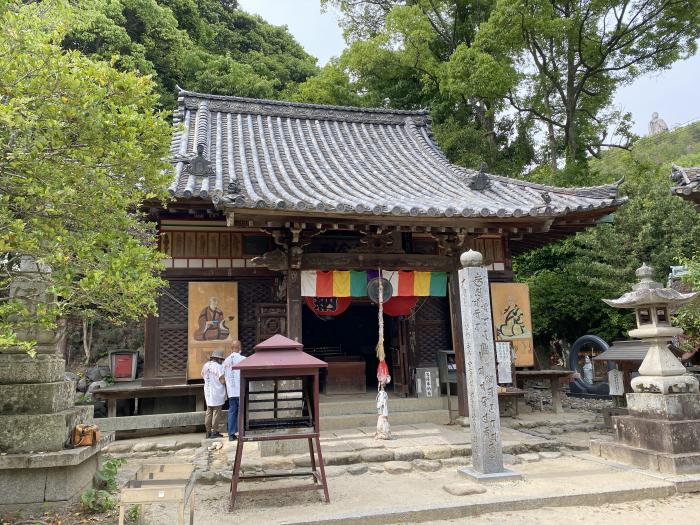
[160, 483]
[554, 378]
[137, 390]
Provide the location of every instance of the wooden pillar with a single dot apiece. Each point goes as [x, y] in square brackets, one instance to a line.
[294, 304]
[457, 342]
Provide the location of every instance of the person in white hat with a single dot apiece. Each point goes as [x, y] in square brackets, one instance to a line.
[214, 392]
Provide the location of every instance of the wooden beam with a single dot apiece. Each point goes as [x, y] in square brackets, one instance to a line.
[370, 261]
[294, 304]
[457, 342]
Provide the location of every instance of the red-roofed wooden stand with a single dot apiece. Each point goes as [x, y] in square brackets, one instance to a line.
[279, 400]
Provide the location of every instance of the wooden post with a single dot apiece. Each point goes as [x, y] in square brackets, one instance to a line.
[294, 304]
[457, 342]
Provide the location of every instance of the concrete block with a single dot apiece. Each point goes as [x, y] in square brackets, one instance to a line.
[674, 407]
[36, 398]
[674, 437]
[21, 368]
[64, 483]
[40, 432]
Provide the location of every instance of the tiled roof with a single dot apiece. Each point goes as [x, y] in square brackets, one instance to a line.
[687, 180]
[282, 155]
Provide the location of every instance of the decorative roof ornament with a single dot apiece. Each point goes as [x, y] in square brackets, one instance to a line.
[480, 181]
[199, 166]
[546, 197]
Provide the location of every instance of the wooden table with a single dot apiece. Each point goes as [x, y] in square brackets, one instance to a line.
[553, 376]
[345, 375]
[160, 483]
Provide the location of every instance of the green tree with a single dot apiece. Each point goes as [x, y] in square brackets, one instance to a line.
[420, 54]
[82, 149]
[571, 56]
[569, 279]
[203, 45]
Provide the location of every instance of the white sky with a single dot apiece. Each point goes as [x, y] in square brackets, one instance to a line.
[672, 93]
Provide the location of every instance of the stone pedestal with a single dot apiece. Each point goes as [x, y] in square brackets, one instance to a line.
[661, 433]
[37, 416]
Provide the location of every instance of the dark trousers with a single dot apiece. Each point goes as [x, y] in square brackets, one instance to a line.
[232, 415]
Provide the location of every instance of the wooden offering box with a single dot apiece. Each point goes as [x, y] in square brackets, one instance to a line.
[160, 483]
[279, 400]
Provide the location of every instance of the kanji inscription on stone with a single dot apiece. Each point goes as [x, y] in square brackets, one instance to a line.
[480, 368]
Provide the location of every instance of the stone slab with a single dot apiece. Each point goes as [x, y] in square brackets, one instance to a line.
[463, 489]
[504, 475]
[22, 368]
[40, 432]
[36, 398]
[647, 459]
[284, 447]
[674, 407]
[673, 437]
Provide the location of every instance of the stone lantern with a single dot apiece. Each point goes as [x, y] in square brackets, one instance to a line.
[662, 427]
[660, 372]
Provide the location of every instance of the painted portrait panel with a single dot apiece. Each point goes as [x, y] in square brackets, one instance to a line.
[212, 322]
[512, 320]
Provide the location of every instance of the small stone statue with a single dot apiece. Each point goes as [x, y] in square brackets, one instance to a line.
[588, 371]
[657, 125]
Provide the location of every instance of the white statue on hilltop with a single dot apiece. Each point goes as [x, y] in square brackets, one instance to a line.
[657, 125]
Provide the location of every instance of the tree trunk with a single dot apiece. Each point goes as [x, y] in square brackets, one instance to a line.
[87, 339]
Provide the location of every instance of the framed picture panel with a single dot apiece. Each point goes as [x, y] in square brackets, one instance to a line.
[212, 313]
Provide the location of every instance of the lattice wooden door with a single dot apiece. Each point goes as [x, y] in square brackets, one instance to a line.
[171, 357]
[433, 330]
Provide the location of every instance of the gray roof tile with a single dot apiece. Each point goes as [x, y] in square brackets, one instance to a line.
[283, 155]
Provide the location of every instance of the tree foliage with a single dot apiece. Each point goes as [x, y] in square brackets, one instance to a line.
[568, 279]
[201, 45]
[420, 54]
[82, 148]
[571, 55]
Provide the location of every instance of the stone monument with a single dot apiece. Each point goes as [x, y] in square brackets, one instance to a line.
[656, 124]
[37, 414]
[662, 430]
[480, 368]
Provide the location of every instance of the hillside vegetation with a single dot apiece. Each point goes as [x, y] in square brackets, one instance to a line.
[568, 279]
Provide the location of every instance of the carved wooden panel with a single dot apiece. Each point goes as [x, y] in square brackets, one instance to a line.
[433, 331]
[271, 319]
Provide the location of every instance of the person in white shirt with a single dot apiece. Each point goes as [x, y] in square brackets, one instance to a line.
[214, 392]
[233, 387]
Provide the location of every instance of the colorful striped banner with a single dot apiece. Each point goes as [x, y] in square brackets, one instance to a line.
[406, 283]
[353, 283]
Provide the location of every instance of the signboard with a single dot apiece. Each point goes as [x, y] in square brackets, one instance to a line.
[504, 362]
[616, 382]
[212, 322]
[512, 321]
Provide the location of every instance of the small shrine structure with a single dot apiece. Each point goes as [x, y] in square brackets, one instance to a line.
[661, 431]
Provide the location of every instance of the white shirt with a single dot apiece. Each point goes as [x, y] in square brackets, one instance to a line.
[233, 377]
[214, 391]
